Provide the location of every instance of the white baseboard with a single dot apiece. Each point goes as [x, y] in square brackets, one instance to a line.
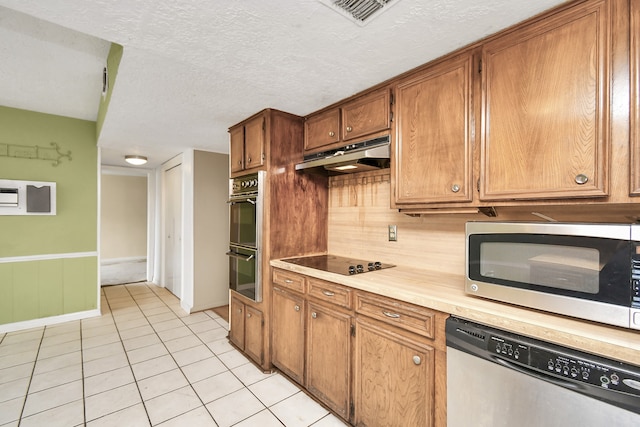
[109, 261]
[48, 321]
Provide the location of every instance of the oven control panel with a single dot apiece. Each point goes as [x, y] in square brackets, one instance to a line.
[244, 184]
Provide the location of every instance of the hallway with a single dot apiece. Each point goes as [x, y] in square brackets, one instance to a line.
[143, 362]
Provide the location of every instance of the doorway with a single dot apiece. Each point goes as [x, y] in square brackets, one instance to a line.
[123, 226]
[172, 210]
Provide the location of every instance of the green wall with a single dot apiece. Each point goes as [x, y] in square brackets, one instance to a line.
[42, 288]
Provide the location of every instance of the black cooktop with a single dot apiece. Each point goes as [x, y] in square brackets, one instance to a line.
[339, 265]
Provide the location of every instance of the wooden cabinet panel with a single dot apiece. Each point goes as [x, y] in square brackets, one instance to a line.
[328, 368]
[394, 379]
[433, 138]
[366, 115]
[322, 130]
[410, 317]
[545, 129]
[253, 333]
[289, 280]
[329, 292]
[236, 144]
[635, 98]
[287, 339]
[236, 323]
[254, 143]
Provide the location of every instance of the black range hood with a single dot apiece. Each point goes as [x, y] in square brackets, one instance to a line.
[362, 156]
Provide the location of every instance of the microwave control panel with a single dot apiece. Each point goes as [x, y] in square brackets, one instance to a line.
[635, 278]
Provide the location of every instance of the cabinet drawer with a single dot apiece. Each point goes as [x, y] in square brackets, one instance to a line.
[329, 292]
[289, 280]
[406, 316]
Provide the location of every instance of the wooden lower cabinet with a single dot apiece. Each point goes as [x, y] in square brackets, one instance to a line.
[394, 378]
[246, 329]
[287, 333]
[328, 367]
[374, 361]
[236, 322]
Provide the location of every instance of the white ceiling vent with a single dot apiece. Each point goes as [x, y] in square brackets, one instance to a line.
[359, 11]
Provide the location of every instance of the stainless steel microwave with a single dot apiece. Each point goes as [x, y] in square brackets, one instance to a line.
[588, 271]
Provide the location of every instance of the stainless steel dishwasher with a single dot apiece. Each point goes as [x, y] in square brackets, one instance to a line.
[497, 378]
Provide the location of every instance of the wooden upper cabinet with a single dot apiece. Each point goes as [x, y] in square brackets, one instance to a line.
[236, 145]
[635, 97]
[355, 119]
[247, 145]
[433, 134]
[322, 130]
[366, 115]
[545, 128]
[254, 142]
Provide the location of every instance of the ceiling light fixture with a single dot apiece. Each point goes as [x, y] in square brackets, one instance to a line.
[135, 160]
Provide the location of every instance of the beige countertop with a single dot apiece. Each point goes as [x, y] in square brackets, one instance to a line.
[445, 292]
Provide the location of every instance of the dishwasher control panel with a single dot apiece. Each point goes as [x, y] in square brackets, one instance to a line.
[558, 364]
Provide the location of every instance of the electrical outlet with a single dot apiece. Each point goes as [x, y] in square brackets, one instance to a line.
[393, 233]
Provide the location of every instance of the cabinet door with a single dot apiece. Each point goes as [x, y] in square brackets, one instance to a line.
[322, 130]
[253, 333]
[287, 333]
[254, 142]
[236, 323]
[635, 98]
[433, 145]
[366, 115]
[328, 357]
[394, 379]
[545, 130]
[236, 149]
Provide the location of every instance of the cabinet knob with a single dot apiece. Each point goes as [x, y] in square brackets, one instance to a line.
[455, 188]
[349, 128]
[416, 360]
[239, 162]
[296, 308]
[248, 159]
[248, 315]
[332, 134]
[581, 179]
[314, 315]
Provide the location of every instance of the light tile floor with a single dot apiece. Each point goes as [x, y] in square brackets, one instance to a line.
[143, 362]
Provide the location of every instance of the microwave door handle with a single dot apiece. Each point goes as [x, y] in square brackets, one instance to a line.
[240, 256]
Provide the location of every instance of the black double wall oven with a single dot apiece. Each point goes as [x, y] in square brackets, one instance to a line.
[245, 231]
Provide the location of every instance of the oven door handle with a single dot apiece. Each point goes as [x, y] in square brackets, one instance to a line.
[241, 256]
[245, 200]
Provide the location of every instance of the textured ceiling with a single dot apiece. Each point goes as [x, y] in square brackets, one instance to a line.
[190, 69]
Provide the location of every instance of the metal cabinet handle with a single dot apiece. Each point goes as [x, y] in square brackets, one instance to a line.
[314, 315]
[288, 281]
[329, 294]
[349, 128]
[416, 360]
[455, 188]
[332, 134]
[296, 308]
[581, 179]
[391, 315]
